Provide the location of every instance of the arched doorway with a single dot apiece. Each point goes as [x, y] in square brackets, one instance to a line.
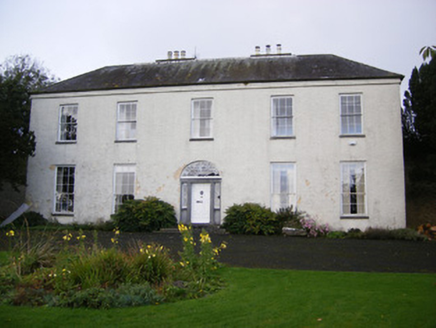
[200, 194]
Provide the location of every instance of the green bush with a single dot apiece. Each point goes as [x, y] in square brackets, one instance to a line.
[146, 215]
[251, 219]
[100, 298]
[289, 217]
[33, 219]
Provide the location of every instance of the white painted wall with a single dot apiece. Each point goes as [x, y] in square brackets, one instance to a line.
[242, 148]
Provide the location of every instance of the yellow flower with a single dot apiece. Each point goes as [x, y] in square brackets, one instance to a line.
[185, 239]
[10, 233]
[141, 250]
[114, 241]
[117, 231]
[223, 245]
[204, 238]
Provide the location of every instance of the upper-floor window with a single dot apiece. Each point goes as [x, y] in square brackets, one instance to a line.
[201, 119]
[124, 184]
[68, 123]
[353, 188]
[126, 121]
[64, 190]
[281, 117]
[351, 114]
[283, 189]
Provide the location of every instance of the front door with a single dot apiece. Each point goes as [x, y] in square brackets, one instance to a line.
[200, 203]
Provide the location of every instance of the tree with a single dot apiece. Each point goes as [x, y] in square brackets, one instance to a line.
[19, 77]
[428, 52]
[419, 115]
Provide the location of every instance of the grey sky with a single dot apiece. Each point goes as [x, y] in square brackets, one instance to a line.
[74, 37]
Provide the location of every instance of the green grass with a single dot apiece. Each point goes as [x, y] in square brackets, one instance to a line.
[268, 298]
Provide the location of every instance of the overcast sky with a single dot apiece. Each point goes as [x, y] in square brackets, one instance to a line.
[71, 37]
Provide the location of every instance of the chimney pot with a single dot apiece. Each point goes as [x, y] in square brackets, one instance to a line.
[279, 48]
[268, 49]
[176, 54]
[183, 54]
[257, 50]
[170, 54]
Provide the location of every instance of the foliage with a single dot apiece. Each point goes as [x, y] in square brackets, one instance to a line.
[263, 298]
[145, 215]
[19, 76]
[125, 295]
[251, 219]
[199, 268]
[420, 109]
[428, 52]
[313, 228]
[289, 217]
[33, 219]
[40, 272]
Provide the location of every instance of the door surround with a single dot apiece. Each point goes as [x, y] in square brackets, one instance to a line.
[195, 174]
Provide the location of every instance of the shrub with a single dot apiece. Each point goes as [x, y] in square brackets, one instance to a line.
[289, 217]
[251, 219]
[151, 264]
[33, 219]
[100, 298]
[336, 234]
[314, 229]
[145, 215]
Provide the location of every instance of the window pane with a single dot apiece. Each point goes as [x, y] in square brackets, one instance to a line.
[282, 116]
[124, 188]
[68, 123]
[64, 195]
[282, 185]
[353, 188]
[126, 121]
[351, 114]
[201, 125]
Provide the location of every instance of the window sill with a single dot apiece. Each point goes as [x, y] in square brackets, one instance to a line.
[352, 136]
[63, 214]
[125, 141]
[201, 139]
[354, 217]
[66, 142]
[282, 137]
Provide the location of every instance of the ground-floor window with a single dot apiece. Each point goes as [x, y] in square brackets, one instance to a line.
[124, 184]
[64, 189]
[283, 186]
[353, 188]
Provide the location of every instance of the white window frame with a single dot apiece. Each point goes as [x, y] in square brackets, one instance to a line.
[355, 208]
[198, 123]
[348, 127]
[281, 198]
[65, 128]
[64, 194]
[119, 169]
[128, 124]
[276, 118]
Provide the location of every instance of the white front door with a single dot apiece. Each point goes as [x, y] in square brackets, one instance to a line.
[200, 203]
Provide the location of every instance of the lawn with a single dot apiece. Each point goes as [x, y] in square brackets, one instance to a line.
[268, 298]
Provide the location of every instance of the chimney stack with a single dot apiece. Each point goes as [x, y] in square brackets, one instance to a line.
[268, 49]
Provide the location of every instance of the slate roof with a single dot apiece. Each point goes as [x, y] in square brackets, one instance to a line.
[278, 68]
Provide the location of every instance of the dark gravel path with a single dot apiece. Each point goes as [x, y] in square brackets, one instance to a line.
[299, 253]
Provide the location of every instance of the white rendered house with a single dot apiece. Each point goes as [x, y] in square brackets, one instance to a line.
[318, 132]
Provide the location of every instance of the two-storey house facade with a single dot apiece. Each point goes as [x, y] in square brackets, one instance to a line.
[318, 132]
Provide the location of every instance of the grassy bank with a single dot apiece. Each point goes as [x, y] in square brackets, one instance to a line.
[267, 298]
